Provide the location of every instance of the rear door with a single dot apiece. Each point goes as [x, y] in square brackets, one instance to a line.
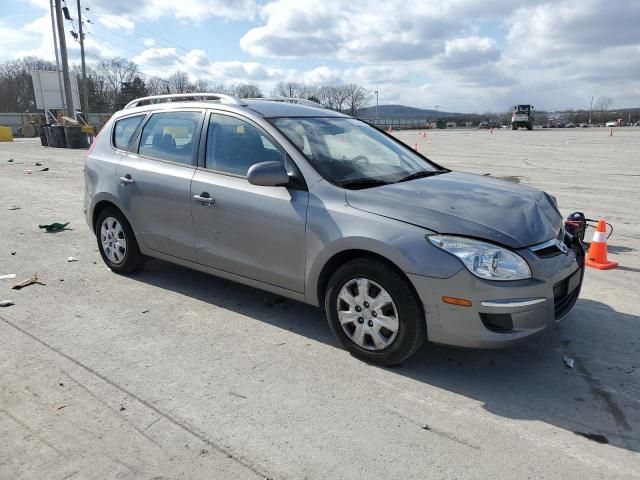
[253, 231]
[154, 181]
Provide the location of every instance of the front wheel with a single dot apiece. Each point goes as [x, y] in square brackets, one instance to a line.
[374, 312]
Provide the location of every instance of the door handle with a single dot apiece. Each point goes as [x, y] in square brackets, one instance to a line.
[127, 180]
[204, 198]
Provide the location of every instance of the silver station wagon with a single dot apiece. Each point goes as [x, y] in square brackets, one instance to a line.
[322, 208]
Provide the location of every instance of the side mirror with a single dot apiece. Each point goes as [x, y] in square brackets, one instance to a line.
[268, 174]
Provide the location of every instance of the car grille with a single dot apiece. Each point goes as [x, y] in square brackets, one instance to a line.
[550, 248]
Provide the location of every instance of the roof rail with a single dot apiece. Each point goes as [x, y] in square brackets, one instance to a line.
[301, 101]
[220, 97]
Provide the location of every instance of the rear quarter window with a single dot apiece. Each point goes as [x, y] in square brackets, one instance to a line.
[124, 129]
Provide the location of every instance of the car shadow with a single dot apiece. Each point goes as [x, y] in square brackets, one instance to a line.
[596, 399]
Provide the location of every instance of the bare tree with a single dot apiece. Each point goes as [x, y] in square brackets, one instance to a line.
[156, 86]
[222, 88]
[288, 89]
[603, 103]
[202, 85]
[179, 83]
[116, 72]
[357, 98]
[247, 90]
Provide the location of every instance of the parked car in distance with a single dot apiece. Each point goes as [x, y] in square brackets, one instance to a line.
[325, 209]
[610, 124]
[584, 125]
[561, 125]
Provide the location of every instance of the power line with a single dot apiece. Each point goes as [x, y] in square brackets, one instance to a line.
[200, 70]
[131, 69]
[166, 40]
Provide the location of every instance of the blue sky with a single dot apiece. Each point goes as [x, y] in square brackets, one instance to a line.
[464, 55]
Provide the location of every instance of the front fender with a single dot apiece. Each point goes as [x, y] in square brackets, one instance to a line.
[334, 227]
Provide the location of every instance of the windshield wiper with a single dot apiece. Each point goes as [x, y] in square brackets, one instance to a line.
[422, 174]
[363, 183]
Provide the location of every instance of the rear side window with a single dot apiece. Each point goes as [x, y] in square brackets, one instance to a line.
[124, 130]
[170, 136]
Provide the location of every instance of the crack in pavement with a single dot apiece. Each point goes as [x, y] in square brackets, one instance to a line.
[180, 424]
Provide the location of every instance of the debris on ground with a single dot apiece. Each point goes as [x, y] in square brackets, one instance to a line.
[38, 164]
[54, 227]
[13, 253]
[10, 160]
[29, 281]
[122, 409]
[45, 169]
[13, 207]
[6, 303]
[27, 172]
[72, 259]
[61, 407]
[146, 311]
[426, 427]
[568, 361]
[7, 276]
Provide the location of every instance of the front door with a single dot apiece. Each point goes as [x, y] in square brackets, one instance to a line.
[253, 231]
[154, 183]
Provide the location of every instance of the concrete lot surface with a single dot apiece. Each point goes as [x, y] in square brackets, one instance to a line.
[173, 374]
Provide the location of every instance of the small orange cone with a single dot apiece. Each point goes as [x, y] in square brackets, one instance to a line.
[597, 255]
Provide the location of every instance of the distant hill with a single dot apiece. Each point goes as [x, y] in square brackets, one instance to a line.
[402, 111]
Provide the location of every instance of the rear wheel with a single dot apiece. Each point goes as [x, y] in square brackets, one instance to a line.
[374, 312]
[117, 243]
[514, 127]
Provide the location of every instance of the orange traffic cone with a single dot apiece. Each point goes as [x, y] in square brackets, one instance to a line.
[597, 255]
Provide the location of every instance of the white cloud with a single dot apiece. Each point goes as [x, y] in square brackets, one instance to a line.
[191, 10]
[466, 55]
[365, 30]
[469, 51]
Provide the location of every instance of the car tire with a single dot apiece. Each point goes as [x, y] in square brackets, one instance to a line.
[407, 310]
[117, 243]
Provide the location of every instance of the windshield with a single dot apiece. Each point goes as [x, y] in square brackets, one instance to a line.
[353, 154]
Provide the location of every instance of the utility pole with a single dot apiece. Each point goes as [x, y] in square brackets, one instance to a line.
[63, 55]
[590, 110]
[376, 104]
[85, 97]
[55, 47]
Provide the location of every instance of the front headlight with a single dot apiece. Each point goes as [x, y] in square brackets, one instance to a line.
[484, 260]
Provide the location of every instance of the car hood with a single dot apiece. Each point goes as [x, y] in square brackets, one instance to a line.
[469, 205]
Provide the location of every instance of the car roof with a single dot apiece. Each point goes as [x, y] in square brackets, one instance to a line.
[267, 108]
[270, 109]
